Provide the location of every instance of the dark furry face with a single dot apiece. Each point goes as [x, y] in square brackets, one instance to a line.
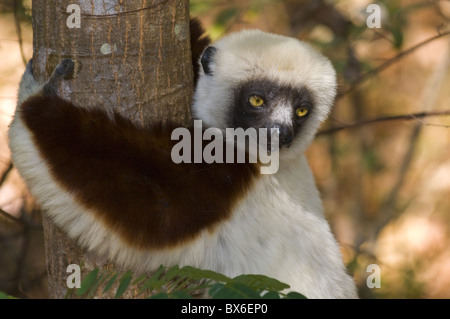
[267, 104]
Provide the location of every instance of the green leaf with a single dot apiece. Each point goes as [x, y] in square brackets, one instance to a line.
[6, 296]
[139, 279]
[161, 295]
[93, 288]
[110, 283]
[177, 283]
[179, 294]
[271, 295]
[198, 287]
[217, 291]
[260, 282]
[88, 282]
[232, 291]
[187, 281]
[195, 273]
[123, 284]
[153, 282]
[172, 273]
[295, 295]
[158, 284]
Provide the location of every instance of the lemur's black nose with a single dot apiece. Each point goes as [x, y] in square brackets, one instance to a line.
[286, 135]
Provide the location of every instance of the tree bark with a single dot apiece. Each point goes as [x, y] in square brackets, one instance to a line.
[131, 57]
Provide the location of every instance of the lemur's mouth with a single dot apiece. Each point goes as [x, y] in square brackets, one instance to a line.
[280, 137]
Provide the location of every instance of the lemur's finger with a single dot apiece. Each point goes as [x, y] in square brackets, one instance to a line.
[64, 68]
[62, 71]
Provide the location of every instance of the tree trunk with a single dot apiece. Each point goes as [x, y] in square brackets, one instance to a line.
[132, 57]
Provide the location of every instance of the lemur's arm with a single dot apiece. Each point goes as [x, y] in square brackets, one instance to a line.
[120, 174]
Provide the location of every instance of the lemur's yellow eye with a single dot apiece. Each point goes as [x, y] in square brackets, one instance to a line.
[301, 111]
[256, 100]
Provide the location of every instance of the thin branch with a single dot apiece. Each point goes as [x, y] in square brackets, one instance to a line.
[429, 124]
[412, 116]
[388, 63]
[382, 36]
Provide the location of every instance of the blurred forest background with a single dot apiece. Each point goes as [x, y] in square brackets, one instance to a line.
[382, 161]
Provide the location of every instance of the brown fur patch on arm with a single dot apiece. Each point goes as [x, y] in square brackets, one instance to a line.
[125, 176]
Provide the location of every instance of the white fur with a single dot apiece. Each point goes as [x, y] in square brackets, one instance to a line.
[278, 230]
[282, 114]
[28, 85]
[254, 54]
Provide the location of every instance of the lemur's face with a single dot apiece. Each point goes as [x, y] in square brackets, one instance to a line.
[262, 103]
[261, 80]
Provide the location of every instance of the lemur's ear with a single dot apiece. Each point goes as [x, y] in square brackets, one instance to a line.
[207, 59]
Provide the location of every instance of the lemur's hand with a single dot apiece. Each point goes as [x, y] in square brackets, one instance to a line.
[63, 70]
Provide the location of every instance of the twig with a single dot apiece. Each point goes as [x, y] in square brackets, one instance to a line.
[410, 116]
[388, 63]
[429, 124]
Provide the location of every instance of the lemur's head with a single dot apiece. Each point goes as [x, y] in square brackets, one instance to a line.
[262, 80]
